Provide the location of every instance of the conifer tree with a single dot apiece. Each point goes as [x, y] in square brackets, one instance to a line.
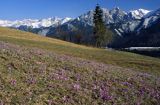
[102, 36]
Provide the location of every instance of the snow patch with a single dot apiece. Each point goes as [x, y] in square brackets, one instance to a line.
[138, 14]
[35, 23]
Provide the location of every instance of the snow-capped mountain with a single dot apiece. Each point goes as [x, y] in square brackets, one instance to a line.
[110, 16]
[116, 15]
[129, 27]
[138, 14]
[35, 23]
[116, 19]
[146, 33]
[150, 19]
[126, 25]
[5, 23]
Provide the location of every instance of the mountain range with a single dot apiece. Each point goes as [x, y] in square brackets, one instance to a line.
[35, 23]
[134, 28]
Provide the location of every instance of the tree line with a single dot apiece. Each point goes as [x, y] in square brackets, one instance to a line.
[98, 35]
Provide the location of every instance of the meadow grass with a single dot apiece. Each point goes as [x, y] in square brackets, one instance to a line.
[31, 76]
[123, 59]
[36, 70]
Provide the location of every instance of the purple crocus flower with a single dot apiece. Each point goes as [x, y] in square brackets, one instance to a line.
[104, 94]
[127, 84]
[50, 102]
[65, 98]
[13, 82]
[76, 86]
[31, 80]
[142, 91]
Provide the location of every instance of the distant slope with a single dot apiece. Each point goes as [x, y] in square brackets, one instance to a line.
[37, 70]
[149, 36]
[146, 37]
[123, 59]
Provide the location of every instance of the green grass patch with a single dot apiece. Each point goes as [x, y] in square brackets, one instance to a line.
[119, 58]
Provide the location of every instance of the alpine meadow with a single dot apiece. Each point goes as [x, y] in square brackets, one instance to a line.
[102, 57]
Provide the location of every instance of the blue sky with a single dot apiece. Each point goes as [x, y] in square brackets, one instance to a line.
[37, 9]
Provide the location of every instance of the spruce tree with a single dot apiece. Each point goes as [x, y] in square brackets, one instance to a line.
[102, 36]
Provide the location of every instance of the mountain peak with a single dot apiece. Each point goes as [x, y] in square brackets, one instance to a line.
[138, 14]
[116, 8]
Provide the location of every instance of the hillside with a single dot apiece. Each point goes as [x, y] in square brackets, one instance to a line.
[40, 70]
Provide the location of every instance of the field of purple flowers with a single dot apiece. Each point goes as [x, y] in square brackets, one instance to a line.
[35, 76]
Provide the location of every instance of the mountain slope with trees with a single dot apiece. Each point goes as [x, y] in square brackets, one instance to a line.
[126, 27]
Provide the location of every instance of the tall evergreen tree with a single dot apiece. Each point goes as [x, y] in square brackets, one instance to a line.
[102, 36]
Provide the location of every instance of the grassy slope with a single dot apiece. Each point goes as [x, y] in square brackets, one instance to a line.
[122, 59]
[36, 76]
[32, 76]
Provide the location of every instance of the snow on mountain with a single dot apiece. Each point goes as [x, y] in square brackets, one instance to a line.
[149, 19]
[110, 16]
[35, 23]
[131, 20]
[116, 19]
[49, 22]
[119, 20]
[138, 14]
[5, 23]
[153, 13]
[116, 15]
[65, 20]
[86, 18]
